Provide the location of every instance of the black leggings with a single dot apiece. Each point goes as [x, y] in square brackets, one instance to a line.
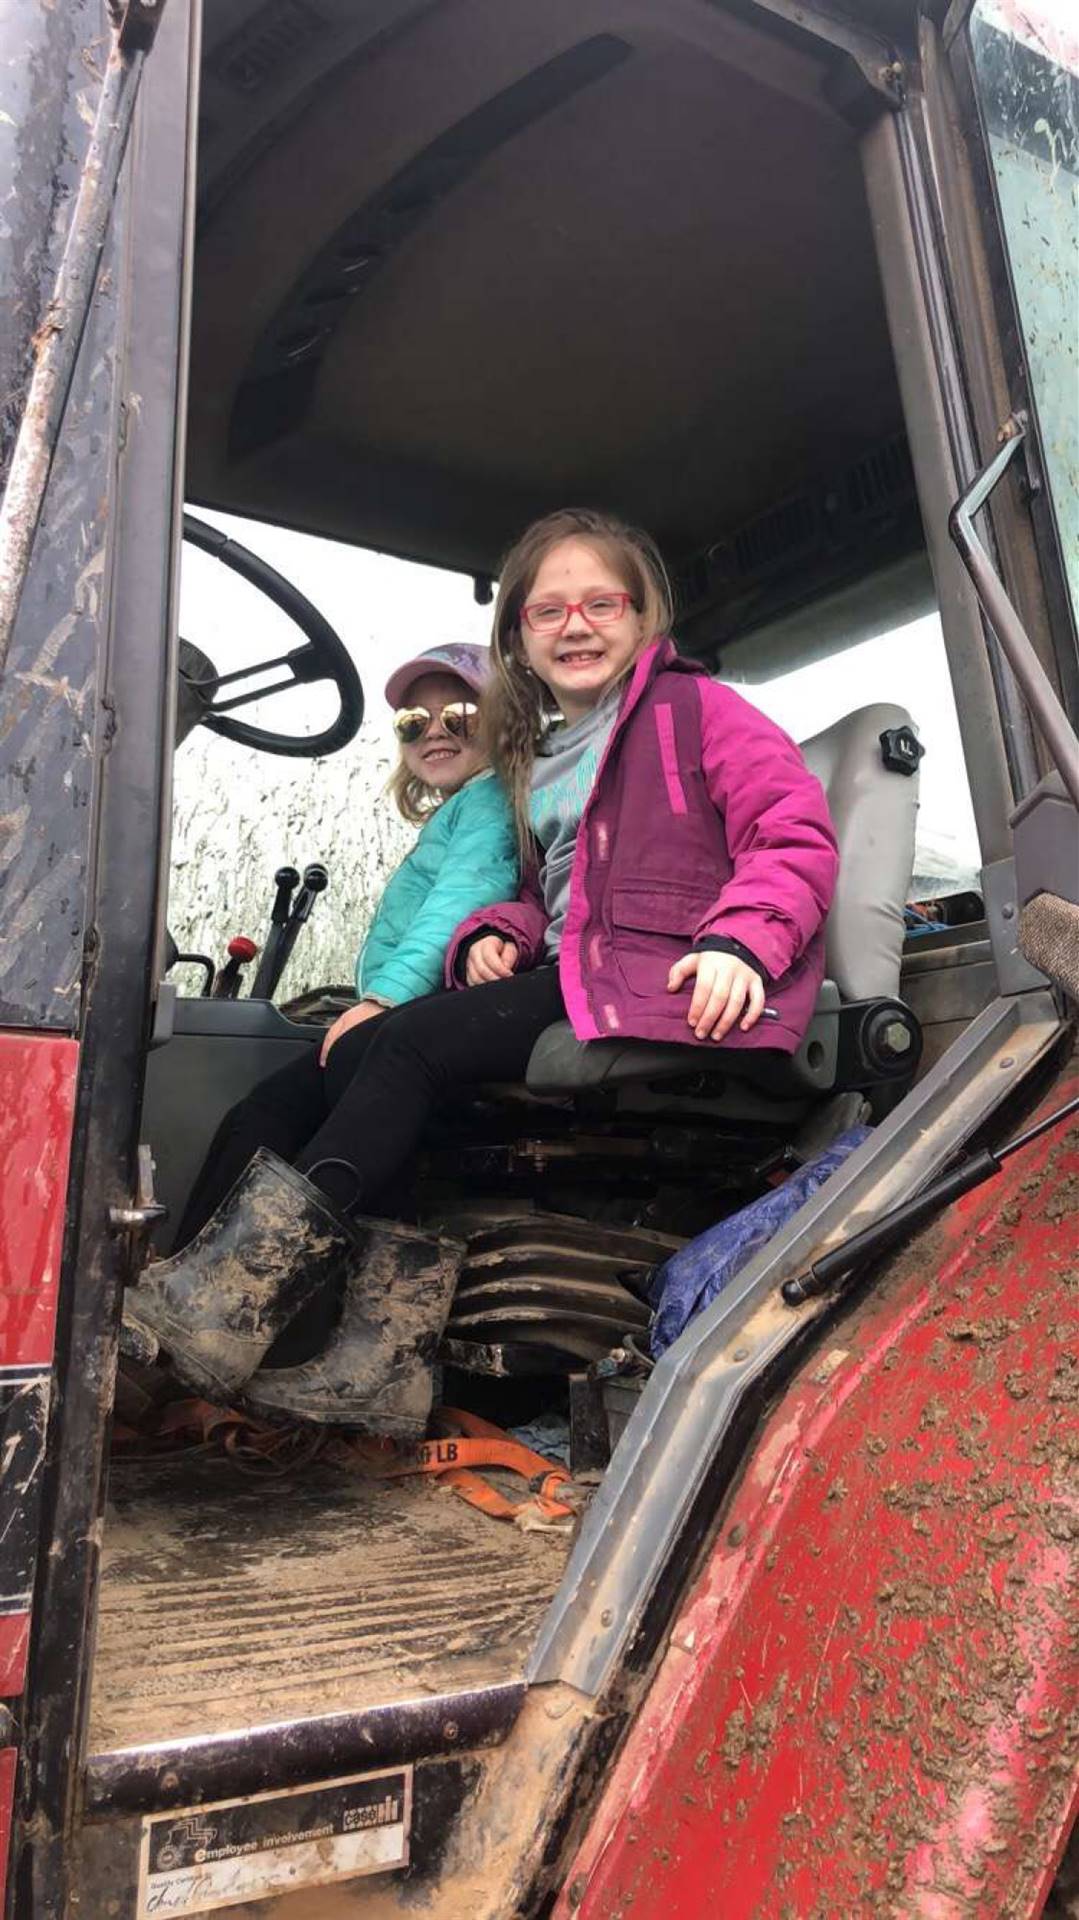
[381, 1083]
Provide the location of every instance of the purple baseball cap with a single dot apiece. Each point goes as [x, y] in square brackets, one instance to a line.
[470, 663]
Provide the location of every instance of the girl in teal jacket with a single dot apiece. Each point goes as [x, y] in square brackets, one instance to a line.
[465, 858]
[465, 855]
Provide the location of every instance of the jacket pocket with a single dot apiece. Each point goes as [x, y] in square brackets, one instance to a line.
[654, 923]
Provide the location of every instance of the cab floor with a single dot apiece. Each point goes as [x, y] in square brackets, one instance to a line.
[228, 1602]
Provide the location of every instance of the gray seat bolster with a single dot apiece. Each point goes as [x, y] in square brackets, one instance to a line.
[560, 1063]
[874, 811]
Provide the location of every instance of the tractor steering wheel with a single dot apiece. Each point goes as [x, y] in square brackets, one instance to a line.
[322, 657]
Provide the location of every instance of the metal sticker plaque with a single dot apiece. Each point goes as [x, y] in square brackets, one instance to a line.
[200, 1858]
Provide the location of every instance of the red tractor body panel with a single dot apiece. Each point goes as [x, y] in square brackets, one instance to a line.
[863, 1705]
[37, 1106]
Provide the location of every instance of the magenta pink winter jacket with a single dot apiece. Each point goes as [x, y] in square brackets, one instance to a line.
[703, 819]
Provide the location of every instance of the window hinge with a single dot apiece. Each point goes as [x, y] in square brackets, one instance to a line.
[147, 1210]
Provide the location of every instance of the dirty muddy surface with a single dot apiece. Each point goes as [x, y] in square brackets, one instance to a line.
[869, 1705]
[228, 1602]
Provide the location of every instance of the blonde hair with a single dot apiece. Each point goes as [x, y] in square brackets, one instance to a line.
[414, 799]
[516, 704]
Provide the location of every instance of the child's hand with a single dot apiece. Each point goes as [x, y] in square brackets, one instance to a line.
[490, 958]
[366, 1010]
[725, 986]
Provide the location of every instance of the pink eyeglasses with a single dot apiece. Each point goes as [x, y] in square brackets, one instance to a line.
[552, 616]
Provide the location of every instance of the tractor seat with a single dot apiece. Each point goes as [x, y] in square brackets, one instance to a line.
[861, 1035]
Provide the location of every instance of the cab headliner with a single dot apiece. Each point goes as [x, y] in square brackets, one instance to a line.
[461, 262]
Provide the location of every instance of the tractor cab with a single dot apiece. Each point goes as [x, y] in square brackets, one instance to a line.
[396, 278]
[691, 320]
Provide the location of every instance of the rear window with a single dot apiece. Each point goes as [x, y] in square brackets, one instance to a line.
[881, 640]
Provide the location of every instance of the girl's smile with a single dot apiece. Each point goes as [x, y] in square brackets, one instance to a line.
[438, 758]
[579, 664]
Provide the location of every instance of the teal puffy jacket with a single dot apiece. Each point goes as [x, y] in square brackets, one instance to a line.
[465, 858]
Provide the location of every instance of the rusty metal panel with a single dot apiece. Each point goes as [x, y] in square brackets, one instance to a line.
[50, 705]
[47, 85]
[865, 1703]
[51, 710]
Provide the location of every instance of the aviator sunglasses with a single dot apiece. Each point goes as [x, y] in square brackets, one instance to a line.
[457, 718]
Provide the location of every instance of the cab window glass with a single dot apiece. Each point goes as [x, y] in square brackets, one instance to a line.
[1026, 61]
[881, 640]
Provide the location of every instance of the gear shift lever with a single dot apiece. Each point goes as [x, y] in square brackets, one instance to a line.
[269, 967]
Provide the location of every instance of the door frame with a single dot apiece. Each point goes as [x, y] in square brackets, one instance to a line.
[136, 692]
[987, 318]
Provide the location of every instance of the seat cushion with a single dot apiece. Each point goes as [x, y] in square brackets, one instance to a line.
[561, 1063]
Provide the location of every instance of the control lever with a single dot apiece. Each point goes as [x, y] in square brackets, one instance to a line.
[315, 881]
[269, 967]
[240, 951]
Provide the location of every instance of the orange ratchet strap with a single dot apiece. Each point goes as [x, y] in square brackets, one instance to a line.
[464, 1443]
[254, 1447]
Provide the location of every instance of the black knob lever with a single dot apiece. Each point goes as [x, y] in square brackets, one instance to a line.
[286, 879]
[315, 881]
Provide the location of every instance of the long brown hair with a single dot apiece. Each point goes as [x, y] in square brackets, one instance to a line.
[516, 704]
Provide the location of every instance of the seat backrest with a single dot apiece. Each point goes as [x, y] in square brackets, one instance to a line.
[874, 811]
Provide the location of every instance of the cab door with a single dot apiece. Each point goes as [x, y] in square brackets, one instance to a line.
[1002, 117]
[86, 712]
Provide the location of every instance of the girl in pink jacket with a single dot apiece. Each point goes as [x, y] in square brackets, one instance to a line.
[682, 858]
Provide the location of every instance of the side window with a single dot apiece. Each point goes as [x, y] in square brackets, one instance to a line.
[1026, 64]
[879, 641]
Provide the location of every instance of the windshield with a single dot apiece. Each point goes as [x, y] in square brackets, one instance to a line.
[239, 814]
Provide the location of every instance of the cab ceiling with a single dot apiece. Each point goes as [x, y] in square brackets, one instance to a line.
[461, 262]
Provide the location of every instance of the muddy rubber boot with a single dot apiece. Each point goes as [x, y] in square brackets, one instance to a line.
[215, 1308]
[376, 1373]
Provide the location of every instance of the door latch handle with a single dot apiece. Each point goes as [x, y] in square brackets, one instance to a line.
[147, 1210]
[136, 1219]
[1015, 642]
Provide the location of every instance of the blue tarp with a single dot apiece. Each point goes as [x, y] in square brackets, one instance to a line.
[697, 1274]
